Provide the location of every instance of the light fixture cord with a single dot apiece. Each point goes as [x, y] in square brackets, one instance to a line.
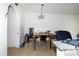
[42, 8]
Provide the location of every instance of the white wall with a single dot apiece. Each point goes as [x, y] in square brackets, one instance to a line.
[14, 27]
[51, 22]
[22, 33]
[3, 29]
[78, 24]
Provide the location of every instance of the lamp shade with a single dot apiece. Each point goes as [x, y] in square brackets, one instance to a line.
[41, 17]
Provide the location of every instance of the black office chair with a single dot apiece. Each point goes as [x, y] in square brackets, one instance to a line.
[62, 35]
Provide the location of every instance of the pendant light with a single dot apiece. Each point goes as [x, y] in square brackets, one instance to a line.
[41, 16]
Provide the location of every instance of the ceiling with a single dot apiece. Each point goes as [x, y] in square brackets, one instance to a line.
[55, 8]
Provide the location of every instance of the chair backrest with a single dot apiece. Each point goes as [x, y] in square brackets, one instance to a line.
[62, 35]
[43, 38]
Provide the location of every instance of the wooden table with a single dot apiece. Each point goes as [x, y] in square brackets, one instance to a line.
[39, 35]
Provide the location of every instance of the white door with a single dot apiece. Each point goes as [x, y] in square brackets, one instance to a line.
[13, 27]
[3, 29]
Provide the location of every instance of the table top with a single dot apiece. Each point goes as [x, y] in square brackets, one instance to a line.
[40, 34]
